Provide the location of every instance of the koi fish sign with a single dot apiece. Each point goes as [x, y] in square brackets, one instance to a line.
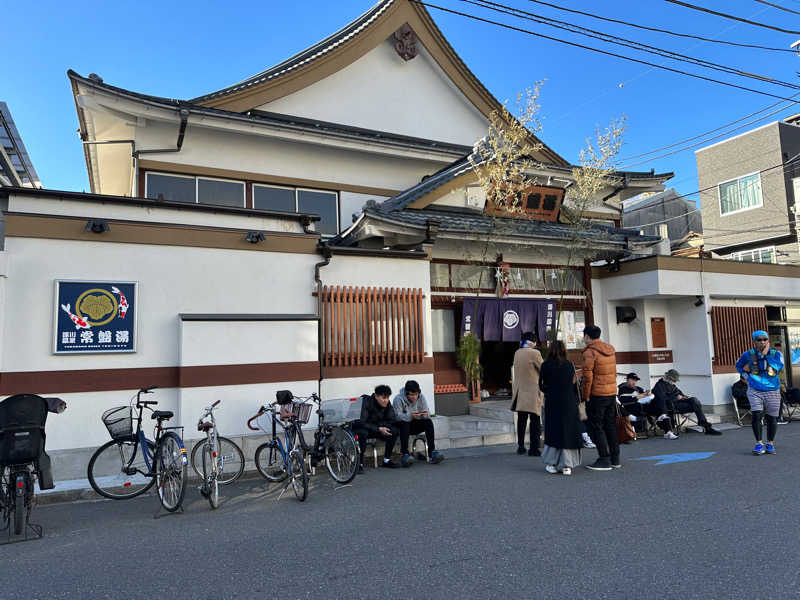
[95, 316]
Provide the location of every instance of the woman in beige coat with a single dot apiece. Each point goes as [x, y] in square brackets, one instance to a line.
[526, 395]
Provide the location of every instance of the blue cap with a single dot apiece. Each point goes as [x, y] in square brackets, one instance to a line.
[760, 333]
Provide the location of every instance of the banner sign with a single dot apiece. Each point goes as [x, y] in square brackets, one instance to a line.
[494, 320]
[95, 316]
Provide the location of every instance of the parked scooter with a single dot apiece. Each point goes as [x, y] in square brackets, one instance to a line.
[23, 459]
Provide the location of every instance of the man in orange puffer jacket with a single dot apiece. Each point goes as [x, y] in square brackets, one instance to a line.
[599, 387]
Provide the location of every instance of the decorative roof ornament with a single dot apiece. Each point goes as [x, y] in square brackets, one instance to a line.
[406, 42]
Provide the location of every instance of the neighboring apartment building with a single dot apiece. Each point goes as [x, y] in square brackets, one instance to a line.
[748, 185]
[16, 168]
[649, 211]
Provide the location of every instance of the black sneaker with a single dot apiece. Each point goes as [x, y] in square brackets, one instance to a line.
[520, 449]
[601, 464]
[436, 457]
[615, 464]
[711, 431]
[406, 460]
[534, 452]
[389, 464]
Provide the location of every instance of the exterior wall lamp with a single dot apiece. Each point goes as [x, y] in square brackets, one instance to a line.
[254, 237]
[97, 226]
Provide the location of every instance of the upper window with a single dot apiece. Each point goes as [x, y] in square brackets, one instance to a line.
[740, 194]
[317, 202]
[193, 190]
[759, 255]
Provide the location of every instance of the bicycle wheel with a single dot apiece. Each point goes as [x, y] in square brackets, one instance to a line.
[109, 473]
[210, 476]
[170, 472]
[297, 465]
[269, 462]
[341, 455]
[230, 458]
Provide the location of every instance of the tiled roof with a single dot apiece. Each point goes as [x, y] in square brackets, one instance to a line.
[474, 222]
[463, 165]
[308, 55]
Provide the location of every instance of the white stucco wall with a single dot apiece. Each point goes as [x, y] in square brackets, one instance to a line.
[252, 153]
[384, 92]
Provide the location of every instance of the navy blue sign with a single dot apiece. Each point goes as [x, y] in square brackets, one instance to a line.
[95, 316]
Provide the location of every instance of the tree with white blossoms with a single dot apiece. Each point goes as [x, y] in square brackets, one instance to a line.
[504, 163]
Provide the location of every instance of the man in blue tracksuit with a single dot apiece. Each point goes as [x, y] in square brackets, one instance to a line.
[761, 367]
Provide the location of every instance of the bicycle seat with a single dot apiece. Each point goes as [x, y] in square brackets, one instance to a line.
[162, 415]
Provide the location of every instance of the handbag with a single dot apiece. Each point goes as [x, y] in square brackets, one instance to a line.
[581, 404]
[625, 431]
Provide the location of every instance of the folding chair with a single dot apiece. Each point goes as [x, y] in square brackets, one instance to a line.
[791, 403]
[740, 402]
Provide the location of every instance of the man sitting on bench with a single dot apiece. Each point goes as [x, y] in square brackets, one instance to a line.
[413, 418]
[377, 421]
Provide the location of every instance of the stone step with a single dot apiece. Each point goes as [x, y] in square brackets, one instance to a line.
[470, 440]
[469, 423]
[497, 410]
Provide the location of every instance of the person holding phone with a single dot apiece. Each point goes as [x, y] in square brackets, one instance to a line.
[413, 417]
[377, 421]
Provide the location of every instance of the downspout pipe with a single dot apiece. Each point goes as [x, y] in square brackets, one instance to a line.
[326, 255]
[184, 115]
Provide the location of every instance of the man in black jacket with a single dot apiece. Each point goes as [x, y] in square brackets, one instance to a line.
[378, 420]
[668, 398]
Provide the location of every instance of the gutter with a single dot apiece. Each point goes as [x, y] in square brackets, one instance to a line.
[326, 256]
[184, 115]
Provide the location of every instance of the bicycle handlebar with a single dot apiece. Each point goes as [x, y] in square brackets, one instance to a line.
[215, 403]
[260, 412]
[149, 390]
[146, 402]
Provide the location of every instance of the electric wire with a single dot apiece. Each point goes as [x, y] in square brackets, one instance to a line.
[613, 39]
[732, 17]
[789, 10]
[658, 30]
[599, 51]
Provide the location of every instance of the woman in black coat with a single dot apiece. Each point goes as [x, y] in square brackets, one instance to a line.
[562, 430]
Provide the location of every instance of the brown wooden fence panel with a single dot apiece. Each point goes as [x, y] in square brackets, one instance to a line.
[371, 326]
[732, 328]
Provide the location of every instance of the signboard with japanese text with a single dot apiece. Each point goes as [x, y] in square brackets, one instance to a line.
[95, 316]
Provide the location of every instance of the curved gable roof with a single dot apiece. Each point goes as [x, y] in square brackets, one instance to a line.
[348, 45]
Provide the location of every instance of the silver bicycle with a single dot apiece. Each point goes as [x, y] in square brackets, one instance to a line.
[217, 460]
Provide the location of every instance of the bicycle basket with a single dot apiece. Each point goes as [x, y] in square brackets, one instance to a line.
[297, 411]
[119, 422]
[341, 410]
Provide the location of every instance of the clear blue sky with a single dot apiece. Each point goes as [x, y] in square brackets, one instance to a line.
[182, 50]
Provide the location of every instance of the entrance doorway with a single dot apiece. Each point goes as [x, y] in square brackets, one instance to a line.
[496, 360]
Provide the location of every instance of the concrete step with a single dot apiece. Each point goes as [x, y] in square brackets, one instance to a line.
[493, 409]
[470, 440]
[469, 423]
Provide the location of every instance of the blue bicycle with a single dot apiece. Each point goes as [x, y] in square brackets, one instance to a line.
[130, 463]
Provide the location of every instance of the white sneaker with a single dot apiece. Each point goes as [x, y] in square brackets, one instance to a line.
[566, 471]
[633, 419]
[551, 469]
[670, 436]
[587, 441]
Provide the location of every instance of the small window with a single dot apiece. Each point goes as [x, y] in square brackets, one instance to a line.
[323, 204]
[440, 275]
[759, 255]
[740, 194]
[533, 201]
[172, 188]
[220, 192]
[274, 198]
[472, 277]
[550, 202]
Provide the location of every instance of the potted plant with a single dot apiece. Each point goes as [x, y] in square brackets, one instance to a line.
[468, 357]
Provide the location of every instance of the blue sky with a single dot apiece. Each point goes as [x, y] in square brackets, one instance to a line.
[183, 50]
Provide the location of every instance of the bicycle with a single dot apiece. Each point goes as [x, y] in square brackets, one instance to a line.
[332, 442]
[211, 457]
[23, 459]
[130, 464]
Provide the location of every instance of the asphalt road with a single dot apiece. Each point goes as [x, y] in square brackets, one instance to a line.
[483, 524]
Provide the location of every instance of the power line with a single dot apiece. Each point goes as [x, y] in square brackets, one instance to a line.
[711, 187]
[705, 133]
[656, 29]
[703, 141]
[613, 39]
[732, 17]
[599, 51]
[778, 7]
